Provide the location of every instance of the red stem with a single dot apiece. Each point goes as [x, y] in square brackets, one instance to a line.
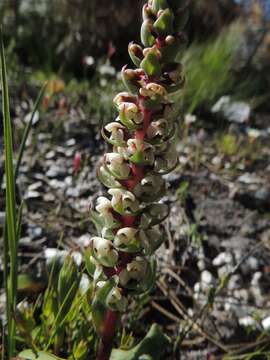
[107, 336]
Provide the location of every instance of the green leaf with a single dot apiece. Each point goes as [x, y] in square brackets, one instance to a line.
[99, 307]
[30, 283]
[153, 345]
[90, 266]
[97, 221]
[11, 230]
[181, 19]
[135, 53]
[146, 35]
[151, 65]
[107, 179]
[159, 5]
[129, 84]
[40, 355]
[164, 24]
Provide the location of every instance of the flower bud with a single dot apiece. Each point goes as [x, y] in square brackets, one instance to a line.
[127, 240]
[124, 97]
[130, 115]
[158, 128]
[152, 90]
[166, 161]
[123, 202]
[150, 188]
[104, 251]
[117, 132]
[140, 152]
[151, 239]
[135, 270]
[104, 207]
[151, 64]
[173, 72]
[117, 165]
[164, 24]
[136, 53]
[116, 300]
[147, 12]
[169, 40]
[147, 36]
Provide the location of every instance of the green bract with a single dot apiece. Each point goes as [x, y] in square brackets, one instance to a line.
[129, 219]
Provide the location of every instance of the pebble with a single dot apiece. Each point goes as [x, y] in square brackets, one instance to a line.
[51, 253]
[234, 282]
[49, 197]
[233, 111]
[32, 194]
[207, 278]
[2, 217]
[28, 117]
[223, 258]
[83, 240]
[266, 323]
[34, 231]
[84, 284]
[247, 321]
[249, 179]
[56, 184]
[50, 155]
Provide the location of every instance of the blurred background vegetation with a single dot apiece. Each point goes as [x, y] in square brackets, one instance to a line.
[79, 46]
[73, 38]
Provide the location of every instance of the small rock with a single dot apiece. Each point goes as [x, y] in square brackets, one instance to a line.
[52, 253]
[84, 283]
[2, 217]
[248, 179]
[56, 184]
[71, 142]
[190, 119]
[234, 111]
[28, 117]
[50, 155]
[207, 278]
[32, 195]
[223, 258]
[247, 321]
[49, 197]
[73, 192]
[235, 282]
[83, 240]
[35, 186]
[266, 323]
[34, 231]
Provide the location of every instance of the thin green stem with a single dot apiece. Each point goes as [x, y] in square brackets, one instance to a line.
[10, 242]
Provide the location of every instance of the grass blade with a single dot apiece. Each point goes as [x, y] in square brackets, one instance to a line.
[10, 243]
[28, 128]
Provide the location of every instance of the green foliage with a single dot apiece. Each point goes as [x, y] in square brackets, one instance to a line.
[12, 227]
[228, 144]
[152, 346]
[60, 320]
[40, 355]
[208, 69]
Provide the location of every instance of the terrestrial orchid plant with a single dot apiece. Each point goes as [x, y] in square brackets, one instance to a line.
[129, 219]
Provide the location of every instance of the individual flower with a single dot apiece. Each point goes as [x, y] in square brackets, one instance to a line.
[104, 252]
[124, 202]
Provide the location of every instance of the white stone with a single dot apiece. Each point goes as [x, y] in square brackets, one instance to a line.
[266, 323]
[247, 321]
